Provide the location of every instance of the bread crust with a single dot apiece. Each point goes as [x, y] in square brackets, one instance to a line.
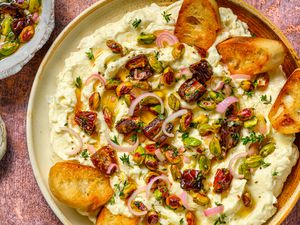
[285, 112]
[107, 218]
[251, 55]
[198, 22]
[79, 186]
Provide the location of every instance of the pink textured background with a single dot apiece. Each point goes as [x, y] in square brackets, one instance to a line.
[20, 198]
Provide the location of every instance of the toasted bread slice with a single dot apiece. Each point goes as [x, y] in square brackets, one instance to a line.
[107, 218]
[198, 22]
[78, 186]
[251, 55]
[285, 112]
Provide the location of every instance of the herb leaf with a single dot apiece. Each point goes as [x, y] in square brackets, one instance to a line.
[166, 16]
[78, 82]
[136, 23]
[115, 140]
[221, 219]
[90, 54]
[84, 154]
[249, 93]
[252, 138]
[125, 159]
[264, 164]
[265, 100]
[275, 173]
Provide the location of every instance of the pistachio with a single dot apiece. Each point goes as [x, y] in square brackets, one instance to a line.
[207, 105]
[254, 161]
[112, 84]
[216, 96]
[204, 164]
[247, 85]
[191, 142]
[144, 85]
[206, 129]
[174, 102]
[201, 199]
[139, 155]
[267, 149]
[190, 218]
[247, 199]
[176, 173]
[173, 156]
[34, 5]
[178, 50]
[186, 120]
[244, 170]
[108, 116]
[245, 114]
[155, 109]
[124, 88]
[168, 76]
[151, 162]
[26, 34]
[174, 202]
[127, 98]
[157, 194]
[155, 64]
[114, 46]
[6, 25]
[152, 218]
[94, 101]
[215, 147]
[250, 123]
[128, 189]
[146, 39]
[150, 176]
[8, 48]
[201, 119]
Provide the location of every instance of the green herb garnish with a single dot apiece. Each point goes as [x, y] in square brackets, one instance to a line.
[265, 100]
[252, 138]
[249, 93]
[84, 154]
[264, 164]
[115, 140]
[90, 54]
[136, 23]
[221, 219]
[78, 82]
[275, 173]
[166, 16]
[125, 159]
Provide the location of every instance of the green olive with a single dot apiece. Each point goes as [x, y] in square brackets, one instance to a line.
[139, 155]
[207, 105]
[215, 147]
[191, 142]
[6, 25]
[267, 149]
[254, 161]
[154, 63]
[178, 50]
[146, 39]
[201, 199]
[174, 102]
[204, 164]
[9, 48]
[250, 123]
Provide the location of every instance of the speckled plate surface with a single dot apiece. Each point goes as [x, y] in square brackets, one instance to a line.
[101, 13]
[3, 137]
[14, 63]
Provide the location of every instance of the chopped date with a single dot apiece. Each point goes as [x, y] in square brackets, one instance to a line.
[141, 74]
[103, 158]
[222, 180]
[153, 130]
[127, 125]
[230, 133]
[86, 121]
[192, 180]
[139, 61]
[202, 71]
[191, 90]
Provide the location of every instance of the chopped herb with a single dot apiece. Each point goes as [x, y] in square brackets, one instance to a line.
[227, 80]
[90, 54]
[252, 138]
[265, 100]
[235, 136]
[115, 140]
[181, 221]
[264, 164]
[78, 82]
[161, 116]
[218, 204]
[66, 124]
[133, 138]
[275, 173]
[125, 159]
[84, 154]
[136, 23]
[112, 200]
[249, 93]
[185, 135]
[221, 219]
[166, 16]
[156, 54]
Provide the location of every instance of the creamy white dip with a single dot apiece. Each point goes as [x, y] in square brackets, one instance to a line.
[263, 186]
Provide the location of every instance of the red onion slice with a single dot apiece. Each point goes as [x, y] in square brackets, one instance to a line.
[213, 211]
[160, 155]
[119, 147]
[184, 199]
[76, 135]
[222, 106]
[165, 37]
[171, 118]
[132, 197]
[149, 186]
[141, 97]
[91, 149]
[219, 86]
[241, 76]
[95, 76]
[232, 162]
[184, 71]
[111, 167]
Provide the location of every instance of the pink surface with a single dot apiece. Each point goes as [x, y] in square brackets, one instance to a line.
[20, 198]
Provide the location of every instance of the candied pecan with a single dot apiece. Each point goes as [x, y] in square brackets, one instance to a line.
[192, 180]
[86, 120]
[103, 158]
[222, 180]
[127, 125]
[202, 71]
[191, 90]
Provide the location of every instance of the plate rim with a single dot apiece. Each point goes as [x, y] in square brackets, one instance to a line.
[289, 205]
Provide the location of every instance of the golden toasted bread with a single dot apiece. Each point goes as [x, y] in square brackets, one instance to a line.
[107, 218]
[78, 186]
[285, 112]
[251, 55]
[198, 22]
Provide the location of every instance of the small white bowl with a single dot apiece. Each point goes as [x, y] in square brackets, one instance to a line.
[14, 63]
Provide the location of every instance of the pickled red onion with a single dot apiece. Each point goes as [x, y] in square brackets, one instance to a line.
[159, 155]
[165, 37]
[91, 149]
[232, 162]
[171, 118]
[184, 200]
[219, 86]
[222, 106]
[241, 76]
[119, 147]
[110, 168]
[95, 76]
[132, 197]
[213, 211]
[76, 135]
[149, 186]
